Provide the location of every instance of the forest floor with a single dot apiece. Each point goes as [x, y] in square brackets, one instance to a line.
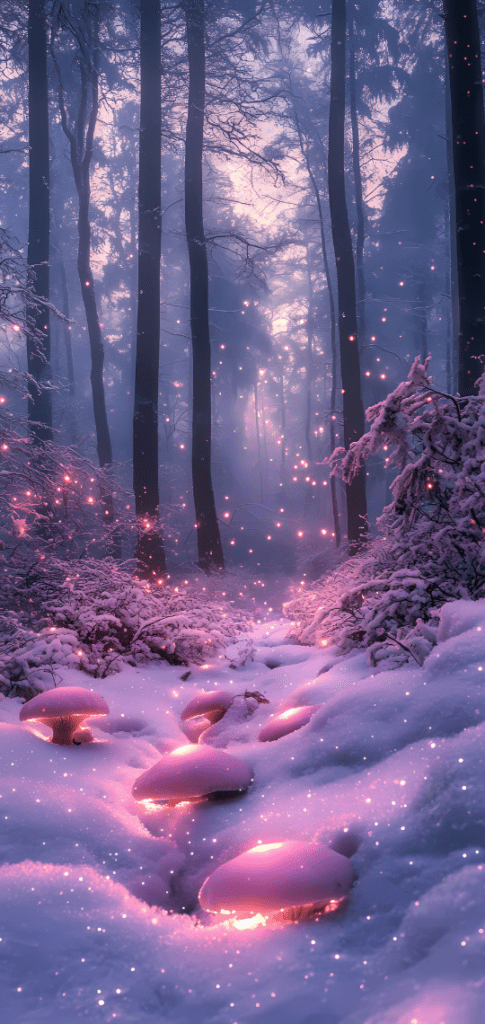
[396, 757]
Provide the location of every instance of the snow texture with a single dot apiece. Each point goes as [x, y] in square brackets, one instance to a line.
[99, 914]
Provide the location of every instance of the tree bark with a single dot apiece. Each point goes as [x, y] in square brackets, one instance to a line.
[81, 173]
[208, 538]
[311, 493]
[452, 347]
[38, 337]
[420, 319]
[333, 324]
[149, 550]
[283, 428]
[81, 140]
[258, 439]
[353, 410]
[309, 364]
[66, 328]
[359, 196]
[468, 133]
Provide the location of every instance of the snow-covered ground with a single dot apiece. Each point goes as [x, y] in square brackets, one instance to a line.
[397, 758]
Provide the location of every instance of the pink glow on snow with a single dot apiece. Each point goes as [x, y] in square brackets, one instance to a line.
[286, 722]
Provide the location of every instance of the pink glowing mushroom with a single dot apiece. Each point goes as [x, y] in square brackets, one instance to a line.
[194, 728]
[64, 709]
[286, 722]
[213, 705]
[295, 877]
[191, 772]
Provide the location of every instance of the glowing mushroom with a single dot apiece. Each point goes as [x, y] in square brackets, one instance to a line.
[286, 722]
[213, 705]
[191, 772]
[293, 877]
[195, 727]
[64, 709]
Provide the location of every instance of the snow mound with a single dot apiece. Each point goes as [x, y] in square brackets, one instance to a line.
[391, 764]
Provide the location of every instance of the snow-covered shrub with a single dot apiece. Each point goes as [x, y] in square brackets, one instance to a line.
[61, 607]
[28, 660]
[95, 616]
[387, 598]
[51, 497]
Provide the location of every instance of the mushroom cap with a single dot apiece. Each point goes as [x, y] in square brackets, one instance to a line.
[286, 722]
[212, 704]
[63, 702]
[194, 728]
[190, 772]
[277, 876]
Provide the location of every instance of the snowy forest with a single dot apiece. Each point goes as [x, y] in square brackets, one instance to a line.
[242, 495]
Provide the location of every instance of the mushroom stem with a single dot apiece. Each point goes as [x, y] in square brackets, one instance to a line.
[309, 911]
[63, 729]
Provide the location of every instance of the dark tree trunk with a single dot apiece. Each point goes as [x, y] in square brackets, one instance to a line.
[311, 493]
[452, 347]
[38, 342]
[359, 196]
[81, 141]
[82, 177]
[81, 145]
[149, 549]
[208, 537]
[132, 320]
[66, 329]
[333, 324]
[309, 364]
[283, 429]
[420, 321]
[468, 133]
[258, 439]
[353, 410]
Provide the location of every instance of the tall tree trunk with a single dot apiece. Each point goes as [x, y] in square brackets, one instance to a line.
[309, 363]
[420, 320]
[72, 427]
[468, 133]
[333, 323]
[452, 355]
[353, 409]
[103, 439]
[283, 427]
[208, 537]
[81, 141]
[38, 337]
[310, 491]
[258, 438]
[149, 550]
[132, 320]
[359, 196]
[66, 333]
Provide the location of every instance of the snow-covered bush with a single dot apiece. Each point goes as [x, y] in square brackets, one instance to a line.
[387, 598]
[61, 607]
[51, 497]
[95, 616]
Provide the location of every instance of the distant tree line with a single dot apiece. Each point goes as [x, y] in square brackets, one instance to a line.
[227, 71]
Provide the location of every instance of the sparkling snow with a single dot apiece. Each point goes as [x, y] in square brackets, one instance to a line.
[99, 917]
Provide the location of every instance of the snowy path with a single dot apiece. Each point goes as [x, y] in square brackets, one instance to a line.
[397, 758]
